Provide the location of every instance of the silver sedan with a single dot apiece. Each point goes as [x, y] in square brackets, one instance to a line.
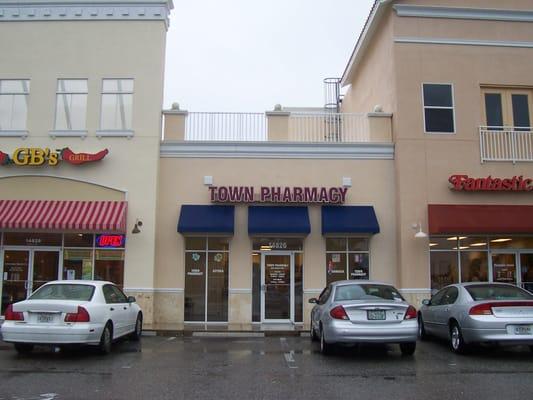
[478, 313]
[351, 312]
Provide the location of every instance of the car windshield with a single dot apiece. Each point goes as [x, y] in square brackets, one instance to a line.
[64, 292]
[367, 292]
[497, 292]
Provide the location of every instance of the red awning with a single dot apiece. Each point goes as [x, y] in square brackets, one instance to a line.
[444, 219]
[108, 216]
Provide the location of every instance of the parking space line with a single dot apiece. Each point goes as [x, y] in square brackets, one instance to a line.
[287, 353]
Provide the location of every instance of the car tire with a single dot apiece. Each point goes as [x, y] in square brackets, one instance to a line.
[422, 335]
[23, 348]
[457, 342]
[312, 333]
[106, 340]
[408, 349]
[325, 347]
[137, 333]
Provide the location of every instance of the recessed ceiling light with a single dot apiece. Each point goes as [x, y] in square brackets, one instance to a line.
[478, 244]
[433, 244]
[501, 240]
[460, 248]
[452, 238]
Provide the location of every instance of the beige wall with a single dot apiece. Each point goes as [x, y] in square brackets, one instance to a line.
[95, 50]
[373, 84]
[181, 182]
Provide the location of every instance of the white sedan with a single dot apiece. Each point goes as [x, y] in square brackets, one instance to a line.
[72, 312]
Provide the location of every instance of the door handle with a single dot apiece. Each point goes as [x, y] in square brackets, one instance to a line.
[263, 288]
[112, 309]
[125, 308]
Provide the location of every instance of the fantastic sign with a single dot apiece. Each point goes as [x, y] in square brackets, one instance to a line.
[278, 194]
[33, 156]
[490, 184]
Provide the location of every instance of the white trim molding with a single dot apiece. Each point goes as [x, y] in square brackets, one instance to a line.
[463, 42]
[72, 133]
[83, 10]
[114, 133]
[281, 150]
[9, 133]
[313, 291]
[154, 290]
[488, 14]
[240, 291]
[415, 290]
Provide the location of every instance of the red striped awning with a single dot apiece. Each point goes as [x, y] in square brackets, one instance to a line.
[108, 216]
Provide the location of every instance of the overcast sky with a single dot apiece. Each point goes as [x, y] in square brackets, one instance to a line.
[247, 55]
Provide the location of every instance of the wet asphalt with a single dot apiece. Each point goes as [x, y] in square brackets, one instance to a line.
[263, 368]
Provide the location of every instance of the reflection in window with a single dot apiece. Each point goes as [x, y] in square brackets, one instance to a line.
[474, 266]
[78, 264]
[444, 270]
[71, 104]
[117, 104]
[438, 108]
[347, 258]
[109, 266]
[14, 104]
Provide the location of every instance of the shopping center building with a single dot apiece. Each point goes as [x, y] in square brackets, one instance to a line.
[420, 175]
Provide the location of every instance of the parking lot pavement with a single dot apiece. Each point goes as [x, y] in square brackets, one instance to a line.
[263, 368]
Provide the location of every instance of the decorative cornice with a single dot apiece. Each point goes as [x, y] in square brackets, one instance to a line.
[335, 151]
[463, 42]
[75, 10]
[409, 10]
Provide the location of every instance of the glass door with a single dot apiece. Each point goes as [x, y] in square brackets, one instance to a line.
[504, 268]
[45, 267]
[15, 276]
[277, 286]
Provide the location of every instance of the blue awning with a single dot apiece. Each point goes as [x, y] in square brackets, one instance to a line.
[349, 220]
[206, 219]
[267, 220]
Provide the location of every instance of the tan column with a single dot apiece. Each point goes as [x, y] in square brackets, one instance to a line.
[278, 125]
[174, 123]
[380, 127]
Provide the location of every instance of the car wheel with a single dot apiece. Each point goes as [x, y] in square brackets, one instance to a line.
[23, 348]
[106, 340]
[457, 342]
[325, 347]
[408, 349]
[312, 333]
[422, 335]
[137, 333]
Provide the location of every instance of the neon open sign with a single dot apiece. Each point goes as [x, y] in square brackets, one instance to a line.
[110, 241]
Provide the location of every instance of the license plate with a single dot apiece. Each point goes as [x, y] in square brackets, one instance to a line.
[375, 315]
[522, 330]
[45, 318]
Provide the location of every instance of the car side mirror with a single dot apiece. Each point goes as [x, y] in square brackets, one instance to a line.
[131, 299]
[313, 300]
[426, 302]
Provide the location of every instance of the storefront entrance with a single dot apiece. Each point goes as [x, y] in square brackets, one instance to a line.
[24, 270]
[515, 267]
[277, 287]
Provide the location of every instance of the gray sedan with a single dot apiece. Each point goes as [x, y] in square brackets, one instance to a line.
[478, 313]
[351, 312]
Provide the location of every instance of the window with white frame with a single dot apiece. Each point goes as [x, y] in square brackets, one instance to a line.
[439, 115]
[117, 104]
[71, 104]
[14, 104]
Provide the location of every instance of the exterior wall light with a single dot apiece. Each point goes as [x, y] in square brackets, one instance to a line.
[137, 226]
[420, 234]
[208, 180]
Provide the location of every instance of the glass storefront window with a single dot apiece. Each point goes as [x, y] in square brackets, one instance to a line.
[444, 243]
[206, 279]
[109, 266]
[256, 287]
[347, 258]
[443, 265]
[510, 242]
[474, 266]
[473, 243]
[32, 239]
[298, 287]
[78, 264]
[78, 240]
